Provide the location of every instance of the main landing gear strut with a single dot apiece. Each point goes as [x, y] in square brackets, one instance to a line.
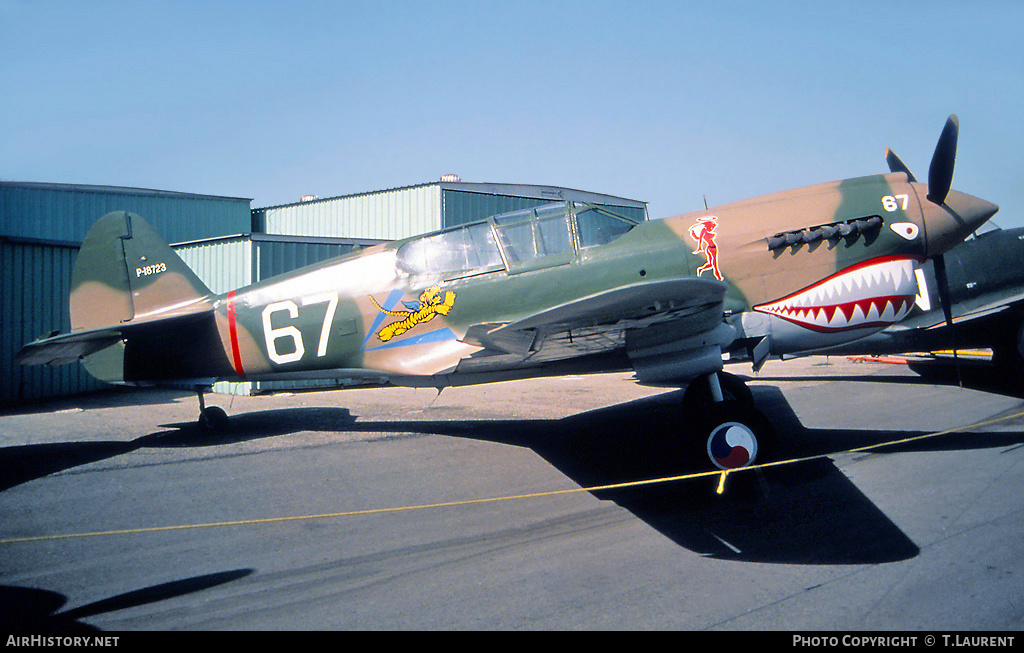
[732, 432]
[212, 419]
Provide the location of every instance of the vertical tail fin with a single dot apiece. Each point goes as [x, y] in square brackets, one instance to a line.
[126, 271]
[138, 313]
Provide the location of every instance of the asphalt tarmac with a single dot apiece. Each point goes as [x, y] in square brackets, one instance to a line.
[486, 508]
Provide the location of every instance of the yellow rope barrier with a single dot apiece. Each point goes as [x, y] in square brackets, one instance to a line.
[516, 497]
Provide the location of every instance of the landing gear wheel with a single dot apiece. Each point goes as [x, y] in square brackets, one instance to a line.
[1008, 353]
[698, 393]
[213, 419]
[731, 433]
[734, 436]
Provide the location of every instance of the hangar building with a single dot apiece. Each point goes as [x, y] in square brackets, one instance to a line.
[413, 210]
[42, 226]
[227, 243]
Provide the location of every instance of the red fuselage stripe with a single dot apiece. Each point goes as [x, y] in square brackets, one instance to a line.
[235, 353]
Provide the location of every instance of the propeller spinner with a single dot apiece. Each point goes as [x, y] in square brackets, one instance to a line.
[950, 214]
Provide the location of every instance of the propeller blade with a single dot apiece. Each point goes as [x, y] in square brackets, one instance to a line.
[896, 165]
[940, 172]
[942, 280]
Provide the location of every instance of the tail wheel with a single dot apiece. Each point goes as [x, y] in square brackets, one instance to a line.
[213, 419]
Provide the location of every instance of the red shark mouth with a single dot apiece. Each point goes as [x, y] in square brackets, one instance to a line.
[875, 293]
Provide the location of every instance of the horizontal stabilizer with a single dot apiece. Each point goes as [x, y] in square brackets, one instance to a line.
[67, 348]
[137, 311]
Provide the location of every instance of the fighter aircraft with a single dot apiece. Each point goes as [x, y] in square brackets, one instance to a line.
[562, 288]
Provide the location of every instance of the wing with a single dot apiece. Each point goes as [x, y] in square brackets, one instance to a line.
[990, 304]
[670, 330]
[965, 311]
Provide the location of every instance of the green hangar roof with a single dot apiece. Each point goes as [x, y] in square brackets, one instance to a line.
[64, 212]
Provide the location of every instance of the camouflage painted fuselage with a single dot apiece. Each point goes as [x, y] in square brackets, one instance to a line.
[561, 288]
[364, 312]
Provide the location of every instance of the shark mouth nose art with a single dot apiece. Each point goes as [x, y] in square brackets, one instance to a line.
[875, 293]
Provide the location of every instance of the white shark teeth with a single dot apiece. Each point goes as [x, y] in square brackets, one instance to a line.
[878, 292]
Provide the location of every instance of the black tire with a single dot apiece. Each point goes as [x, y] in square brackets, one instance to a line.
[698, 393]
[1008, 353]
[214, 420]
[735, 434]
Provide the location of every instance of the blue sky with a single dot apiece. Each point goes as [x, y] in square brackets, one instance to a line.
[666, 102]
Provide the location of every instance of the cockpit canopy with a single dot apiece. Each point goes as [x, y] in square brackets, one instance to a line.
[548, 234]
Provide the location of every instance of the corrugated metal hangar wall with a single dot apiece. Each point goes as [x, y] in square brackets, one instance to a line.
[413, 210]
[41, 228]
[228, 244]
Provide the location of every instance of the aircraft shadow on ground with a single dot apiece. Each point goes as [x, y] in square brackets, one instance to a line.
[32, 610]
[801, 513]
[972, 375]
[805, 512]
[20, 464]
